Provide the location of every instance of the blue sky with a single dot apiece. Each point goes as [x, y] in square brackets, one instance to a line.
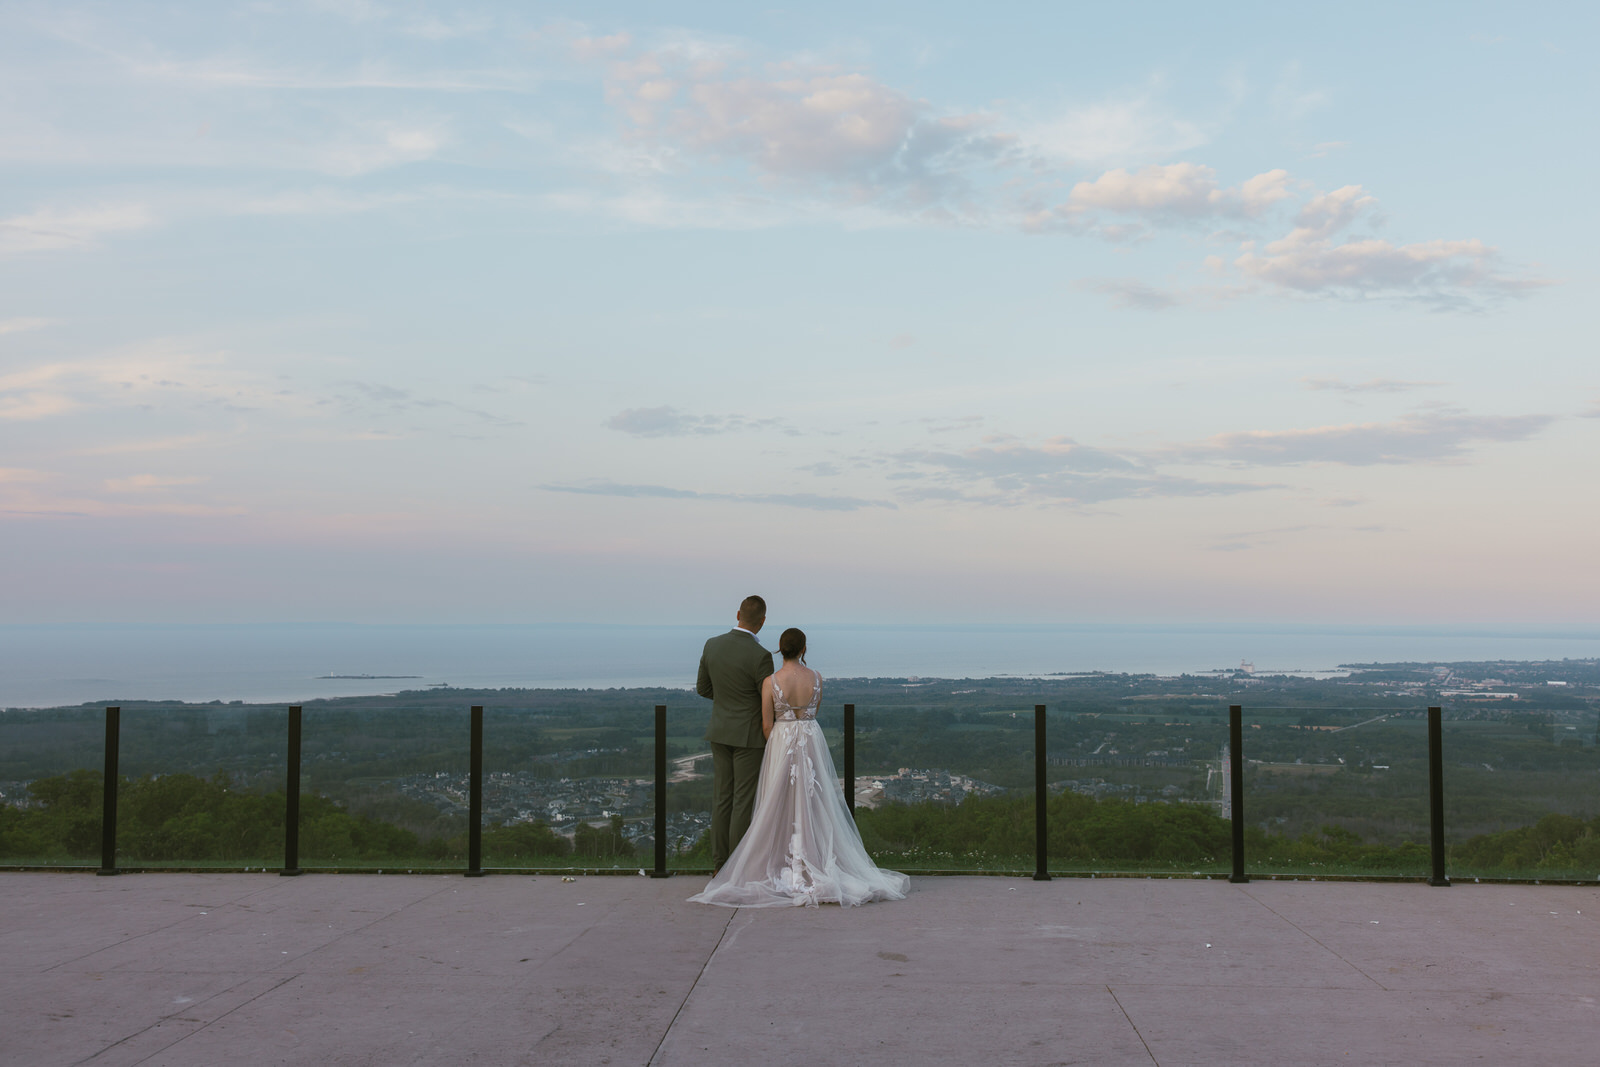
[405, 312]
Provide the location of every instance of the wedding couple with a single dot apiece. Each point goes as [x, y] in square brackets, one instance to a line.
[799, 844]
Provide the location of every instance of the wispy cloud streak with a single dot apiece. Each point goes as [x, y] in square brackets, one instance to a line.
[670, 422]
[808, 501]
[1060, 471]
[1372, 385]
[1411, 439]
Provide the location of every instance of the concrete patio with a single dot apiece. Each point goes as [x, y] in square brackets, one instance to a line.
[205, 969]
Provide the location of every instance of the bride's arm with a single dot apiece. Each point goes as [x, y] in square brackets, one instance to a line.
[766, 706]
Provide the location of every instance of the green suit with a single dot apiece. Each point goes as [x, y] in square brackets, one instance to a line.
[732, 668]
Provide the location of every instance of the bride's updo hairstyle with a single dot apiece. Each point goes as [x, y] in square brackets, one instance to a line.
[793, 644]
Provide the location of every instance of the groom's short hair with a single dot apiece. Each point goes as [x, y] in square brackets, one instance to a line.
[752, 608]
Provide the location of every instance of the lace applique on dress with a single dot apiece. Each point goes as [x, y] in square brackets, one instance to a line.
[802, 767]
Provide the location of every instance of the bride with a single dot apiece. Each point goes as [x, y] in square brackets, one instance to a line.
[802, 846]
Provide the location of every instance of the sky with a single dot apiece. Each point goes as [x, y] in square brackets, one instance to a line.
[402, 312]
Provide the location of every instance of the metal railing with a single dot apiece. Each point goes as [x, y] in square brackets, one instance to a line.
[474, 868]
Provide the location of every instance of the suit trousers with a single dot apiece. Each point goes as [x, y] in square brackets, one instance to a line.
[735, 771]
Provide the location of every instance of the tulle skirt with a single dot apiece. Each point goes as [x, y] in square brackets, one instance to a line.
[802, 847]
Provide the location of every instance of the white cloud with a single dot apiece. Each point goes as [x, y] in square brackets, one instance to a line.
[22, 325]
[1179, 189]
[34, 405]
[689, 105]
[1423, 438]
[383, 148]
[1112, 131]
[1440, 270]
[1311, 258]
[46, 229]
[1261, 192]
[1159, 195]
[804, 124]
[155, 373]
[710, 135]
[1326, 213]
[840, 124]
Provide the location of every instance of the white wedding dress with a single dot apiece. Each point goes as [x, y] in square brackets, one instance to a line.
[802, 846]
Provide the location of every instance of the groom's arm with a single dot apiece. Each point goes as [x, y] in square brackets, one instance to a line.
[702, 684]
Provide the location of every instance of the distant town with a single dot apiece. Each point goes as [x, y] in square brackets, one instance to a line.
[1339, 748]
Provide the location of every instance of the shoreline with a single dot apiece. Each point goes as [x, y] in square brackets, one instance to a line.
[903, 684]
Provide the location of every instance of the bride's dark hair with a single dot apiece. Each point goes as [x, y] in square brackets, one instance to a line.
[793, 644]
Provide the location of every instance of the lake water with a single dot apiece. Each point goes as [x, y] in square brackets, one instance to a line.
[49, 665]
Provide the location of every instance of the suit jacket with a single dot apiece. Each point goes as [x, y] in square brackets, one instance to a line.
[732, 668]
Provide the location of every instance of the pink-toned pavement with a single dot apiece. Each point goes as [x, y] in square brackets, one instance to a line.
[207, 969]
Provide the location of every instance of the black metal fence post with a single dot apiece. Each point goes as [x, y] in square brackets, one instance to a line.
[1041, 837]
[1436, 794]
[108, 802]
[291, 807]
[661, 793]
[475, 797]
[1236, 788]
[850, 757]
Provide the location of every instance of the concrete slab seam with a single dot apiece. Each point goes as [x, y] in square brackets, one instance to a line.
[159, 929]
[117, 944]
[1314, 939]
[1134, 1025]
[251, 1000]
[365, 926]
[190, 1008]
[692, 985]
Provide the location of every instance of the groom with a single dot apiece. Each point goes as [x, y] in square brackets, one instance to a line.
[732, 669]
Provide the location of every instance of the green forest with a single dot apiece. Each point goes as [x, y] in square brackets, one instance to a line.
[186, 820]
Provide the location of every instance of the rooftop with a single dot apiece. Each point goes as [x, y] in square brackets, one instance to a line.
[179, 969]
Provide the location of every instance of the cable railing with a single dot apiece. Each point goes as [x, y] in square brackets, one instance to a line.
[1234, 800]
